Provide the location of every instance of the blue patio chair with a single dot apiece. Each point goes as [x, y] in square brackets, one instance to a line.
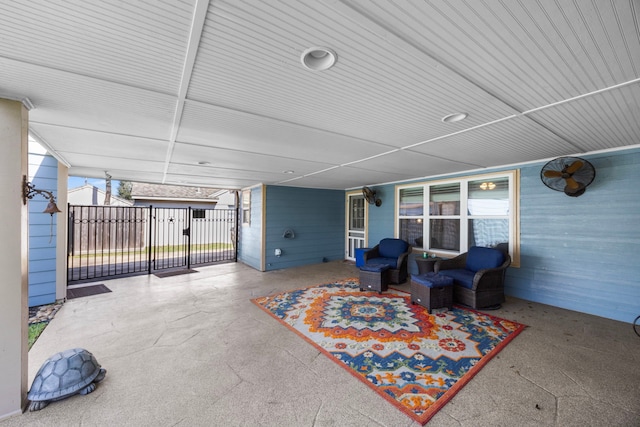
[478, 276]
[392, 252]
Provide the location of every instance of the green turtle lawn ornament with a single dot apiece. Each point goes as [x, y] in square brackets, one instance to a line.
[73, 371]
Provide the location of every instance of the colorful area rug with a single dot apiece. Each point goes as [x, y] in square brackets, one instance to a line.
[415, 360]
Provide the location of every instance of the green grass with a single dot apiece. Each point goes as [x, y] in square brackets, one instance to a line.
[156, 249]
[35, 329]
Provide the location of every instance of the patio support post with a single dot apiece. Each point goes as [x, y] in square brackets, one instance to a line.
[150, 239]
[14, 312]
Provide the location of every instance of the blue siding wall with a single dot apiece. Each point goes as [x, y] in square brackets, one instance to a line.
[316, 217]
[578, 253]
[582, 253]
[250, 238]
[43, 171]
[380, 218]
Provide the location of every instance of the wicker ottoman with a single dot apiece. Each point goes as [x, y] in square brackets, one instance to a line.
[432, 290]
[374, 277]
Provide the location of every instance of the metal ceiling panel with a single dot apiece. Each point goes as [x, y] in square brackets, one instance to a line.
[217, 127]
[82, 141]
[189, 154]
[335, 178]
[112, 164]
[411, 164]
[147, 89]
[125, 42]
[379, 90]
[69, 100]
[203, 180]
[511, 141]
[215, 172]
[526, 53]
[127, 175]
[598, 122]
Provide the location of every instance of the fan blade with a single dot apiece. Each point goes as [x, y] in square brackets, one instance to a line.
[553, 174]
[572, 184]
[575, 166]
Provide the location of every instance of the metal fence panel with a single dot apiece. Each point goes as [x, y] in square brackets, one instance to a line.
[109, 241]
[106, 241]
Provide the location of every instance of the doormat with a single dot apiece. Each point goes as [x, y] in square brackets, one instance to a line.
[87, 291]
[415, 360]
[174, 273]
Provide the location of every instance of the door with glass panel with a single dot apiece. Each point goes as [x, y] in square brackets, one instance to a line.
[356, 230]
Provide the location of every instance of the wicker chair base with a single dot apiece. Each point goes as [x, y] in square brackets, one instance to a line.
[397, 276]
[431, 298]
[478, 300]
[374, 280]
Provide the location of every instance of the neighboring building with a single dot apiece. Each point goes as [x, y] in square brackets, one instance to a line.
[174, 196]
[89, 195]
[226, 199]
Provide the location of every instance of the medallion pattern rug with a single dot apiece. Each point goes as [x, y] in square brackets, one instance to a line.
[416, 360]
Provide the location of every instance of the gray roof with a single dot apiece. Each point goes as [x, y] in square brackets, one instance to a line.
[141, 190]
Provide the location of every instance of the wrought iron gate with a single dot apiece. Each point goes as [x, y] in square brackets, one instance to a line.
[107, 241]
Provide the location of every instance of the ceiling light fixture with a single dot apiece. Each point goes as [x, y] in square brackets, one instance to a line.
[455, 117]
[288, 171]
[204, 163]
[487, 186]
[318, 58]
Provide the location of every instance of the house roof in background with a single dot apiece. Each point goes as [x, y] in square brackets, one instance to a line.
[91, 195]
[146, 191]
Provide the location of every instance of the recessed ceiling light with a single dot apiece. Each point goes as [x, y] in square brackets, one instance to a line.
[287, 171]
[455, 117]
[318, 58]
[204, 163]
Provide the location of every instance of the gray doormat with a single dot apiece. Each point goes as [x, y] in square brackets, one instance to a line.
[174, 273]
[87, 291]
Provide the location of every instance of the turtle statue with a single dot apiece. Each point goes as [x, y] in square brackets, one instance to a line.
[73, 371]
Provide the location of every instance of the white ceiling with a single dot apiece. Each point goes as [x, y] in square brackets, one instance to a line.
[148, 89]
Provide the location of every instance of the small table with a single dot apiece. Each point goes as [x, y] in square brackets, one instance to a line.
[374, 277]
[432, 290]
[426, 265]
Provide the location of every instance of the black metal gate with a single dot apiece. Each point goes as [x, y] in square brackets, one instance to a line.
[106, 241]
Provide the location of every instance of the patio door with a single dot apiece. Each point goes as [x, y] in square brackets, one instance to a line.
[356, 224]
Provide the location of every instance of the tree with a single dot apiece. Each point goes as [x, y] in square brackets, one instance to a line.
[124, 190]
[107, 194]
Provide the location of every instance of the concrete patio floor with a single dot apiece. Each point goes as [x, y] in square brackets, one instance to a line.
[192, 350]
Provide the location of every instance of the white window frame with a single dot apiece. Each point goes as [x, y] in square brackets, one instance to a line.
[513, 215]
[246, 207]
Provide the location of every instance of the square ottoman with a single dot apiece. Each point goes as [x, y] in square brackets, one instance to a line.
[374, 277]
[432, 290]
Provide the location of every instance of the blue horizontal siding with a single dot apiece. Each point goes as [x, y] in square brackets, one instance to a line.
[43, 172]
[42, 265]
[580, 253]
[317, 219]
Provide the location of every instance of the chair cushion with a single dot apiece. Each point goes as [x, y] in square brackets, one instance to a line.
[374, 267]
[460, 276]
[432, 280]
[391, 262]
[392, 248]
[480, 258]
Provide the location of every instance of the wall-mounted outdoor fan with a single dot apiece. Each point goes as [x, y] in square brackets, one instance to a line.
[571, 175]
[370, 196]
